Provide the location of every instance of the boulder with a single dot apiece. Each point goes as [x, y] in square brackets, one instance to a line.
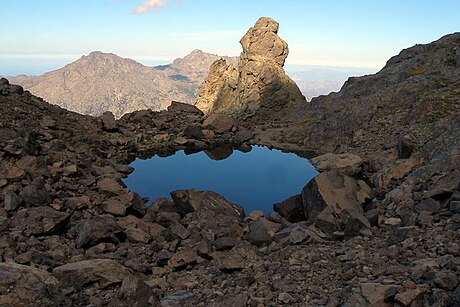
[176, 106]
[104, 272]
[96, 230]
[291, 209]
[110, 186]
[194, 131]
[241, 257]
[108, 121]
[405, 146]
[258, 234]
[193, 200]
[333, 196]
[349, 164]
[35, 194]
[40, 221]
[218, 123]
[22, 285]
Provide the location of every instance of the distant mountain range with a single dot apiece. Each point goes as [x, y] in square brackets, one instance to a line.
[101, 81]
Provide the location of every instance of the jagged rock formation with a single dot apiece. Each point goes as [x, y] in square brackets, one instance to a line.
[101, 82]
[258, 85]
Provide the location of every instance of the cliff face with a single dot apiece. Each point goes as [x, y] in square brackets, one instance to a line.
[258, 85]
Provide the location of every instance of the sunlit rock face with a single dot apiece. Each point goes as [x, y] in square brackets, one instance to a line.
[258, 85]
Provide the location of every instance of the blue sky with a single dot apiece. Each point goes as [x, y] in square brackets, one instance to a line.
[360, 34]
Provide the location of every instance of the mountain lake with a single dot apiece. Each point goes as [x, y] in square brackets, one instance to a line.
[255, 180]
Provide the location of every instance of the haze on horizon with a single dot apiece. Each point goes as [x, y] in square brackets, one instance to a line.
[38, 36]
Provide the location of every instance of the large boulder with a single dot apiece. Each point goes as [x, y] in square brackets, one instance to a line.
[218, 123]
[348, 163]
[22, 285]
[105, 272]
[193, 200]
[291, 209]
[40, 221]
[333, 198]
[96, 230]
[258, 85]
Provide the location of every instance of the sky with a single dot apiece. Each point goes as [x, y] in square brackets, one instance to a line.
[37, 36]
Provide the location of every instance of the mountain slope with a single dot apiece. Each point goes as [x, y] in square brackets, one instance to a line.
[103, 81]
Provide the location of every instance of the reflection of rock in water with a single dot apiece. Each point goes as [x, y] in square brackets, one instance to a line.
[244, 148]
[219, 153]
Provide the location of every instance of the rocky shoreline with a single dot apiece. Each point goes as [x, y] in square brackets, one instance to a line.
[380, 226]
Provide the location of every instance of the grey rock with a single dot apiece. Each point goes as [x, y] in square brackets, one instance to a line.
[291, 209]
[35, 194]
[96, 230]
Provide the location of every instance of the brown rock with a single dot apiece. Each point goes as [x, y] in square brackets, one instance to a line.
[136, 235]
[349, 164]
[408, 297]
[22, 285]
[114, 206]
[184, 107]
[40, 221]
[134, 292]
[218, 123]
[105, 272]
[183, 258]
[96, 230]
[110, 186]
[192, 200]
[291, 209]
[35, 194]
[108, 121]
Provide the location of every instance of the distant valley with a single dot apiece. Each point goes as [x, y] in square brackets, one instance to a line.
[101, 81]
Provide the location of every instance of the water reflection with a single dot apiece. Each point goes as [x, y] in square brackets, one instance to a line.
[255, 179]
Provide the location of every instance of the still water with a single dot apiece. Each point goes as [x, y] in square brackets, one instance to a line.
[255, 180]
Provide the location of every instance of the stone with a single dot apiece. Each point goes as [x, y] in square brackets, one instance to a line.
[225, 243]
[454, 206]
[348, 164]
[163, 257]
[178, 298]
[399, 234]
[110, 186]
[183, 258]
[96, 230]
[241, 257]
[176, 106]
[424, 219]
[327, 220]
[299, 235]
[204, 248]
[12, 201]
[194, 131]
[192, 200]
[218, 123]
[406, 298]
[429, 205]
[179, 230]
[446, 280]
[114, 206]
[10, 171]
[454, 299]
[243, 135]
[35, 194]
[22, 285]
[163, 205]
[134, 292]
[258, 234]
[40, 221]
[291, 209]
[70, 170]
[180, 140]
[405, 146]
[137, 235]
[105, 272]
[108, 121]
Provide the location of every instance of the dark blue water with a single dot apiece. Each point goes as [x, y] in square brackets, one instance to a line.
[255, 180]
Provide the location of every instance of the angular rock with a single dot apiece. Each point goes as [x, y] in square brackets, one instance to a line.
[105, 272]
[291, 209]
[176, 106]
[179, 230]
[110, 186]
[134, 292]
[192, 200]
[96, 230]
[349, 164]
[218, 123]
[40, 221]
[405, 146]
[35, 194]
[446, 280]
[108, 121]
[240, 257]
[183, 258]
[22, 285]
[194, 131]
[225, 243]
[137, 235]
[12, 201]
[258, 234]
[408, 297]
[10, 171]
[114, 206]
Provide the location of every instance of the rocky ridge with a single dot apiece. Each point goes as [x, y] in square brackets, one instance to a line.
[101, 82]
[258, 85]
[365, 232]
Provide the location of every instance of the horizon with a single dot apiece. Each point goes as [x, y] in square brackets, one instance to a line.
[359, 35]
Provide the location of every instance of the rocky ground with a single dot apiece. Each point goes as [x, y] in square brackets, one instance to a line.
[379, 226]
